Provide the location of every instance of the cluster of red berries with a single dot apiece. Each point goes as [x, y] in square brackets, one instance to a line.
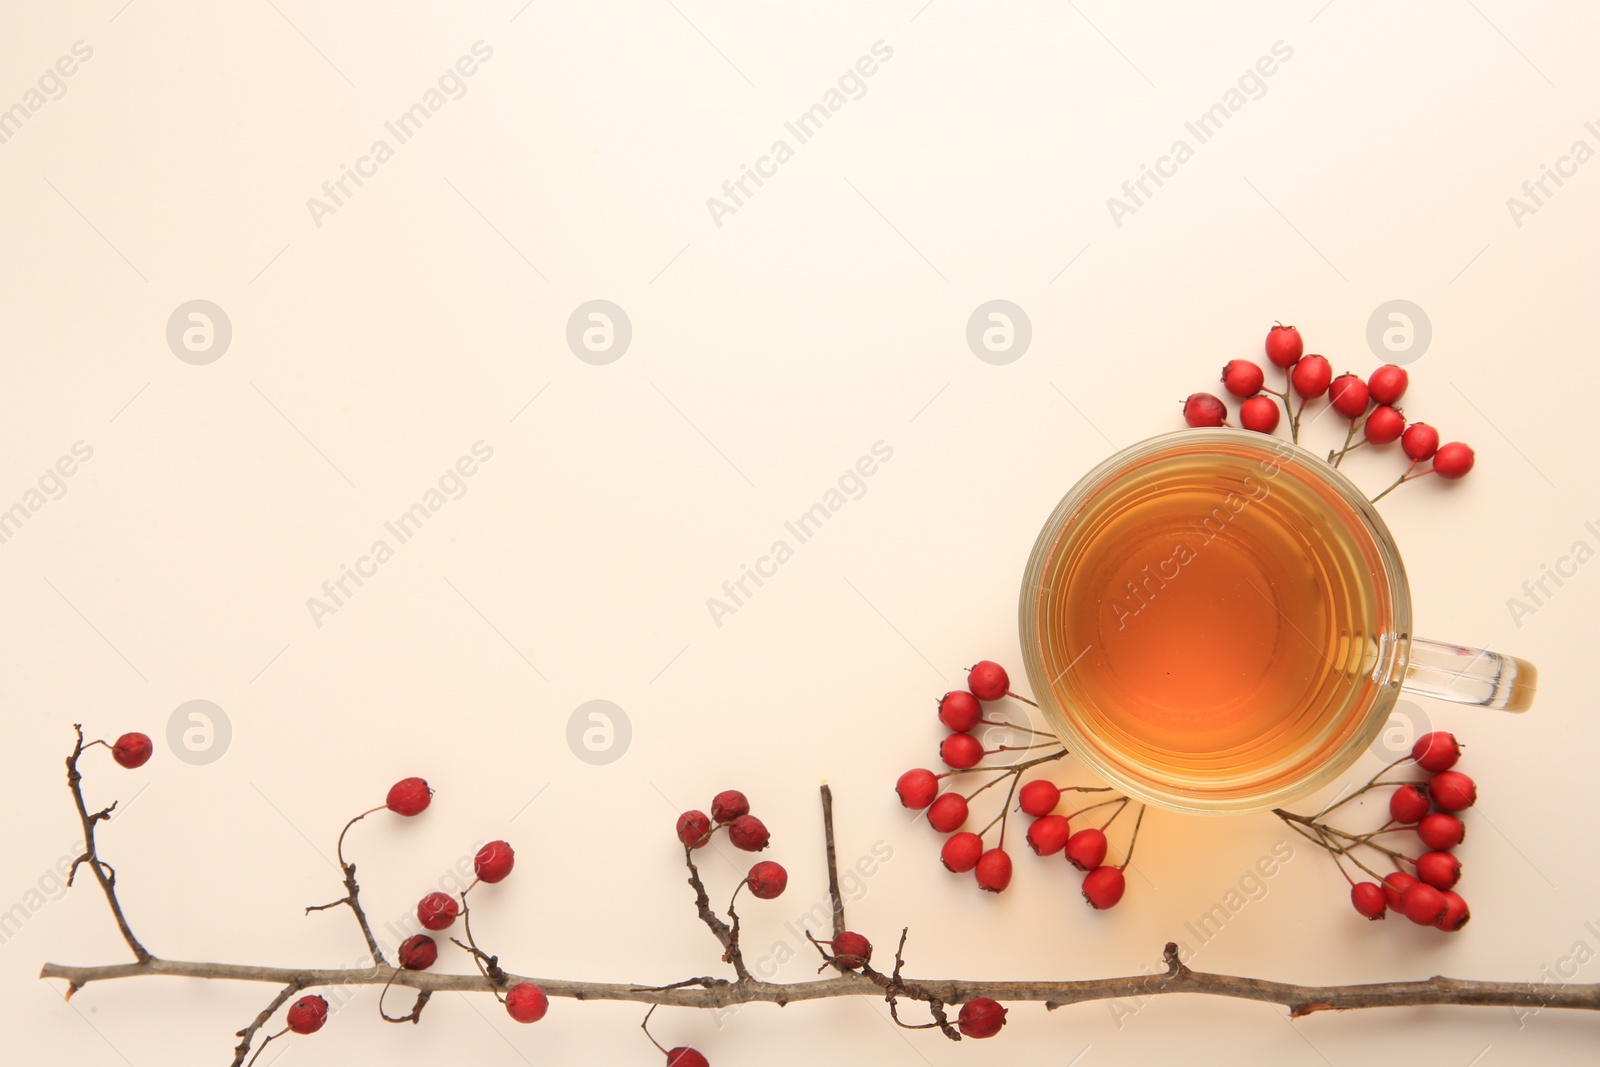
[730, 811]
[1369, 404]
[1049, 833]
[525, 1001]
[1430, 809]
[766, 879]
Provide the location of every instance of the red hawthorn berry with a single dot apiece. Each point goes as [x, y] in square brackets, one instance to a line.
[1368, 898]
[988, 680]
[728, 805]
[307, 1014]
[1452, 791]
[408, 797]
[948, 812]
[494, 861]
[526, 1002]
[1242, 378]
[1384, 425]
[1348, 395]
[1203, 409]
[961, 852]
[1437, 751]
[1455, 914]
[1422, 904]
[1394, 886]
[981, 1017]
[768, 880]
[851, 950]
[1388, 383]
[1038, 797]
[917, 788]
[1407, 805]
[748, 833]
[1103, 887]
[993, 871]
[1048, 834]
[1087, 849]
[437, 911]
[684, 1056]
[1441, 832]
[1419, 441]
[1311, 377]
[1453, 460]
[1259, 414]
[418, 952]
[132, 750]
[1284, 345]
[1439, 869]
[694, 828]
[960, 710]
[961, 751]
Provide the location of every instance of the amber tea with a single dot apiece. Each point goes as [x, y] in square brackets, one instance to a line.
[1213, 617]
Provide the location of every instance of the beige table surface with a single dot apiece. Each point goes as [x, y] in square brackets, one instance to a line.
[381, 332]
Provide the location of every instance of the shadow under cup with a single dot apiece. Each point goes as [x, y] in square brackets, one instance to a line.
[1216, 622]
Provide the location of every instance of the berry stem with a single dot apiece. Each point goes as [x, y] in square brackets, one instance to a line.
[645, 1026]
[1294, 418]
[269, 1039]
[1022, 698]
[414, 1015]
[1023, 729]
[1134, 840]
[1372, 783]
[488, 965]
[1022, 748]
[1092, 807]
[1121, 805]
[1006, 811]
[1403, 479]
[352, 892]
[1019, 768]
[247, 1035]
[1350, 444]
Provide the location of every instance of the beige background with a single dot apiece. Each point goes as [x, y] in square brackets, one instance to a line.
[826, 314]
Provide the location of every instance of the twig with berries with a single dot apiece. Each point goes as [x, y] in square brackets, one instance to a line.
[848, 954]
[961, 711]
[1369, 405]
[406, 797]
[1430, 809]
[131, 750]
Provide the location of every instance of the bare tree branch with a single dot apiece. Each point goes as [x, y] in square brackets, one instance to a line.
[1299, 999]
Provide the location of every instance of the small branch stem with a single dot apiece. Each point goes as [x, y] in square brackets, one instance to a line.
[247, 1035]
[833, 861]
[103, 872]
[727, 936]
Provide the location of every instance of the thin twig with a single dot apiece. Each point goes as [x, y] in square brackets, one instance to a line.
[833, 861]
[248, 1034]
[103, 871]
[352, 893]
[727, 936]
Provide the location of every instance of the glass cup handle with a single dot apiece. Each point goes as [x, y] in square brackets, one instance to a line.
[1470, 676]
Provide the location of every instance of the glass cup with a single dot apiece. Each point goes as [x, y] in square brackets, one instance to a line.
[1218, 622]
